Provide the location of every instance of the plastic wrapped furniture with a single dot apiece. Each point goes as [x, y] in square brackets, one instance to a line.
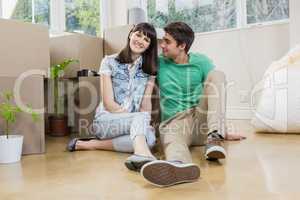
[278, 95]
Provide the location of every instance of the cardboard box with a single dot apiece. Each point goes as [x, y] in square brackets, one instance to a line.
[87, 49]
[23, 46]
[89, 98]
[31, 93]
[115, 39]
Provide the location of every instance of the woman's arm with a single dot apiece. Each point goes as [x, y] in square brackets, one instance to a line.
[106, 91]
[146, 105]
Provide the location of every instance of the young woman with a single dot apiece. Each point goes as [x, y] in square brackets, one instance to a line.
[122, 120]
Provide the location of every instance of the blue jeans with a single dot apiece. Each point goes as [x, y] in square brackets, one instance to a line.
[122, 128]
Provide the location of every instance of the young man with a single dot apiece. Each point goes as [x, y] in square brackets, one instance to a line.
[192, 100]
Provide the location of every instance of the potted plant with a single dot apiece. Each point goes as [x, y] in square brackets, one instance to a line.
[11, 145]
[58, 121]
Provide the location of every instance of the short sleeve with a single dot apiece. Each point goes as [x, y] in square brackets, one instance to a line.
[105, 67]
[207, 66]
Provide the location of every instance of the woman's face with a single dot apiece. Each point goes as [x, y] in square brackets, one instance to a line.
[139, 43]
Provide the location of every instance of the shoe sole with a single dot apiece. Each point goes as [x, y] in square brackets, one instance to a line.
[164, 174]
[215, 154]
[135, 166]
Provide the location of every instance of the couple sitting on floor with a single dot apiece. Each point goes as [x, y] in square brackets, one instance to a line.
[192, 103]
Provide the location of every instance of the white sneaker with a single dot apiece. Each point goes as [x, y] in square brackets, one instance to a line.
[214, 149]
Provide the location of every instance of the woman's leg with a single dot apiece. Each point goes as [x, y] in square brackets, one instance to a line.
[121, 144]
[113, 131]
[125, 144]
[95, 144]
[140, 134]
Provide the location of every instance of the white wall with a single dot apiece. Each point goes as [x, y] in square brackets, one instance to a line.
[244, 55]
[294, 22]
[116, 13]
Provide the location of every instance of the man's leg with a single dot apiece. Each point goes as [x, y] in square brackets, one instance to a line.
[176, 137]
[213, 105]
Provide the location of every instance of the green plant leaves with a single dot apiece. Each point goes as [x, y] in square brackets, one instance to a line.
[57, 70]
[9, 111]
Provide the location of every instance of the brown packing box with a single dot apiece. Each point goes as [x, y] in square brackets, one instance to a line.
[115, 39]
[25, 46]
[87, 49]
[31, 93]
[89, 98]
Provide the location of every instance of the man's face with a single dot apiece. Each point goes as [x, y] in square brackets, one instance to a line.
[170, 48]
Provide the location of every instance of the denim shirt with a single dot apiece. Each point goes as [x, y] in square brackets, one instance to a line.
[125, 87]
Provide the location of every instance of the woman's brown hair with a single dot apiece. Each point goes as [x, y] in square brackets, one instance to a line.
[150, 59]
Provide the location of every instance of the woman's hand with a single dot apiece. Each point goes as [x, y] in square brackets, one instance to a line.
[146, 105]
[107, 95]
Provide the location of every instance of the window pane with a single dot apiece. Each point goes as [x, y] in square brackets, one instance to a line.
[201, 15]
[267, 10]
[23, 11]
[83, 16]
[42, 12]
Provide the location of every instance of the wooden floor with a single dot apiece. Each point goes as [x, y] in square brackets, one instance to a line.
[265, 166]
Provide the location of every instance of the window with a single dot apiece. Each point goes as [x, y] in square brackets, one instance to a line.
[39, 13]
[67, 15]
[212, 15]
[22, 11]
[42, 12]
[83, 16]
[267, 10]
[201, 15]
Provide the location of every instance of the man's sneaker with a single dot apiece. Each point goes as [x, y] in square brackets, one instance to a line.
[214, 149]
[165, 173]
[136, 162]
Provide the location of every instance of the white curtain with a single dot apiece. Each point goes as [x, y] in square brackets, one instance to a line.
[1, 9]
[8, 7]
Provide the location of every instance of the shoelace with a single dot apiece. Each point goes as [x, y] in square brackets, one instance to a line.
[215, 138]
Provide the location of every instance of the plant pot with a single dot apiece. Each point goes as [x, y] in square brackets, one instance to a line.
[58, 126]
[10, 148]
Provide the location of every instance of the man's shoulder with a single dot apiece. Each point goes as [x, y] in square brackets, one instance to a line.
[202, 62]
[198, 58]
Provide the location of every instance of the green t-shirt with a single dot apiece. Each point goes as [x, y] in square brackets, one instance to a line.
[181, 84]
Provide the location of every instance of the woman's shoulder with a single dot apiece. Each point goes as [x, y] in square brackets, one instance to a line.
[110, 61]
[110, 58]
